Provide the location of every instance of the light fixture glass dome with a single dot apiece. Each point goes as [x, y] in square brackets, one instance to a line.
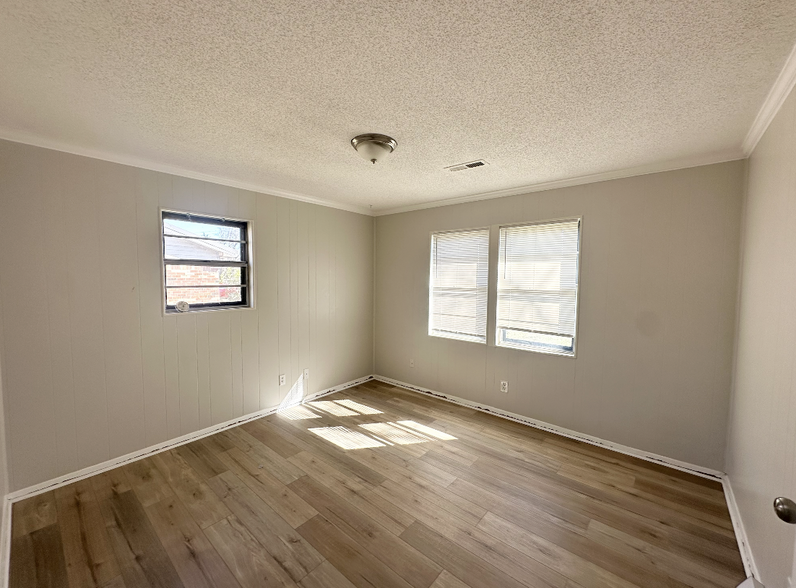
[374, 147]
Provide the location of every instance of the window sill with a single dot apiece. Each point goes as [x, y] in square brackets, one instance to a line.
[196, 310]
[571, 354]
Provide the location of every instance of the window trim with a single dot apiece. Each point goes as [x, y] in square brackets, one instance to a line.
[497, 343]
[247, 266]
[430, 242]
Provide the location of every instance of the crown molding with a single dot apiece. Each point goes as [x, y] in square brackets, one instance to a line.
[641, 170]
[771, 105]
[695, 161]
[35, 141]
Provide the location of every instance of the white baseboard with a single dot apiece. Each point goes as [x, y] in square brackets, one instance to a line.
[5, 531]
[536, 424]
[748, 559]
[5, 542]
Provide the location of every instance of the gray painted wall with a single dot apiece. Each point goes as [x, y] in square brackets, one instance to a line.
[656, 322]
[93, 370]
[761, 448]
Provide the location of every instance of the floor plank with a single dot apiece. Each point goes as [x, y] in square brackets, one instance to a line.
[460, 562]
[110, 483]
[270, 490]
[48, 553]
[147, 482]
[41, 559]
[249, 561]
[89, 558]
[407, 562]
[33, 514]
[288, 548]
[22, 567]
[353, 561]
[198, 564]
[325, 576]
[141, 556]
[203, 504]
[200, 457]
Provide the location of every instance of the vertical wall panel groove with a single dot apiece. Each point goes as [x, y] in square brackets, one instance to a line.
[54, 233]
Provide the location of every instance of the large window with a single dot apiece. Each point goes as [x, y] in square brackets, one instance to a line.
[206, 262]
[458, 285]
[537, 288]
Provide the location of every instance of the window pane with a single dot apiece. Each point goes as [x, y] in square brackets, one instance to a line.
[538, 311]
[538, 286]
[200, 275]
[199, 229]
[207, 295]
[458, 284]
[200, 249]
[178, 248]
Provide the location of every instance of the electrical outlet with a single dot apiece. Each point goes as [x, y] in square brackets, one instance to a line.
[306, 373]
[504, 386]
[282, 379]
[411, 363]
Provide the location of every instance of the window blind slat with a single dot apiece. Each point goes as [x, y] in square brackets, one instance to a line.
[458, 285]
[537, 288]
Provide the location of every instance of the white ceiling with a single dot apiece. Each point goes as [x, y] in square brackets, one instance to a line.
[268, 94]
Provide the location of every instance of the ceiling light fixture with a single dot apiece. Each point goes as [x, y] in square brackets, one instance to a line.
[374, 147]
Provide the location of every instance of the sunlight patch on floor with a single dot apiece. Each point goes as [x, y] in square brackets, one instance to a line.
[426, 430]
[394, 434]
[298, 413]
[333, 408]
[346, 438]
[354, 405]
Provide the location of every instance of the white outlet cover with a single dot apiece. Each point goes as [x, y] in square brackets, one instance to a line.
[411, 363]
[282, 379]
[504, 386]
[307, 373]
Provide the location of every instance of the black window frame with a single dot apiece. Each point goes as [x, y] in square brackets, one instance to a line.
[244, 263]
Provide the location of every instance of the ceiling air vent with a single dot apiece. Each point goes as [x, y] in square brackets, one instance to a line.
[468, 165]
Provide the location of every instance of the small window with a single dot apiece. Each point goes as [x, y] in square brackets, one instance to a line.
[537, 289]
[458, 285]
[206, 262]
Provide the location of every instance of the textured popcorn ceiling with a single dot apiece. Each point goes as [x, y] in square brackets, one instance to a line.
[270, 93]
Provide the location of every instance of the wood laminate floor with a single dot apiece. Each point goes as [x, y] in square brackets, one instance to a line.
[377, 487]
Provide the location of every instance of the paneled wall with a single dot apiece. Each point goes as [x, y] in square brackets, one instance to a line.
[761, 448]
[92, 369]
[656, 320]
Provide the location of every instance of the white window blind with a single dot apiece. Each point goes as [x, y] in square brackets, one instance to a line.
[458, 285]
[537, 289]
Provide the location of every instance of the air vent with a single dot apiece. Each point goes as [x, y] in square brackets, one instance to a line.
[468, 165]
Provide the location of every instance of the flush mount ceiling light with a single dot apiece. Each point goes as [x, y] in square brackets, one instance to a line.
[374, 147]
